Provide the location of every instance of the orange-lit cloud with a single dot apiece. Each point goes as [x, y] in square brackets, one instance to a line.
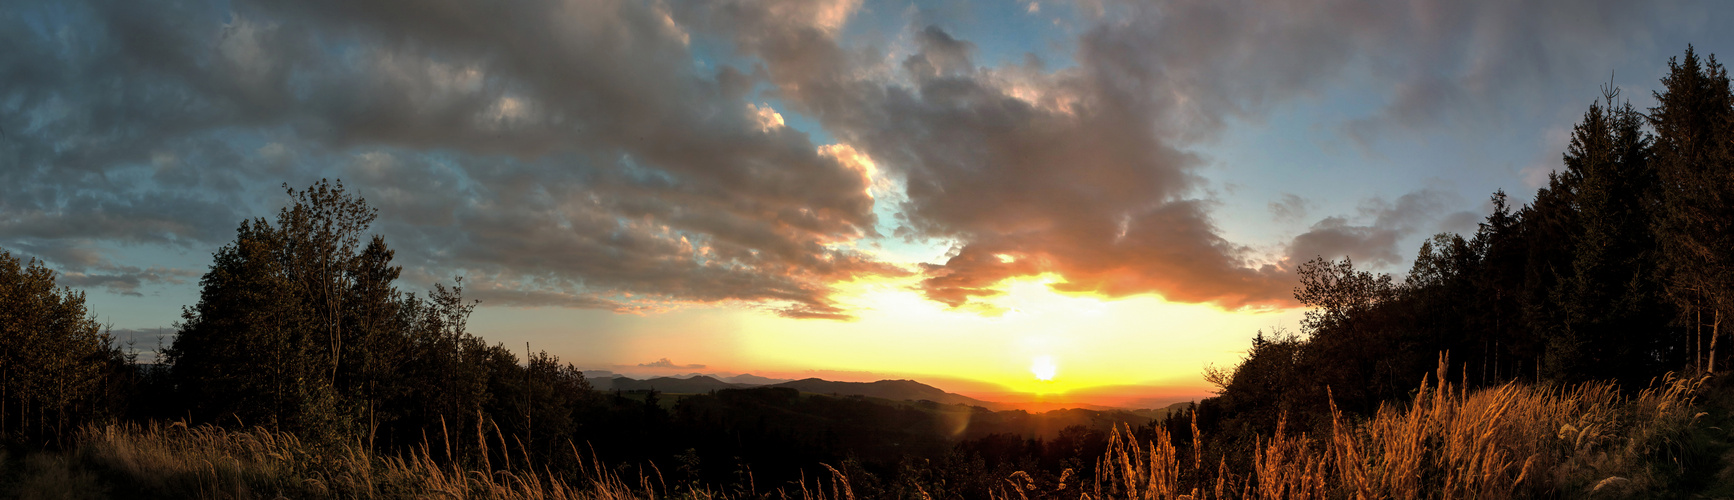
[586, 155]
[1030, 172]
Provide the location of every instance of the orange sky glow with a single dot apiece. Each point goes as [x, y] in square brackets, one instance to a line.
[1136, 352]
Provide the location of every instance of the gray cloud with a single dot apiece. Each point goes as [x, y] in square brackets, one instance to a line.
[1374, 242]
[572, 154]
[1085, 171]
[125, 280]
[82, 266]
[64, 255]
[143, 342]
[1447, 64]
[1290, 208]
[569, 148]
[1074, 172]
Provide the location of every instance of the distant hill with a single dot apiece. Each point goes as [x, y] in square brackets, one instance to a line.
[750, 379]
[895, 390]
[892, 390]
[963, 417]
[694, 385]
[1041, 406]
[604, 380]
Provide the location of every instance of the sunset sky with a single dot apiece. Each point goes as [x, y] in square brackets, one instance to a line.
[970, 194]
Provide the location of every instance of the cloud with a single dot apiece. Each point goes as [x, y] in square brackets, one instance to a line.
[85, 267]
[64, 255]
[125, 280]
[665, 363]
[1087, 172]
[143, 342]
[544, 298]
[1336, 238]
[1374, 243]
[571, 149]
[586, 154]
[1535, 174]
[1290, 208]
[1470, 62]
[1074, 172]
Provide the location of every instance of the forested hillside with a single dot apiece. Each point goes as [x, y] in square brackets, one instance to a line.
[1619, 269]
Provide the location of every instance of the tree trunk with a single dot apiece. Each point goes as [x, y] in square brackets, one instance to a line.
[1715, 328]
[1484, 356]
[529, 433]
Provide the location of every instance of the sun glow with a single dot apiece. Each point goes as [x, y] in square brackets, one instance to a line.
[1044, 368]
[1010, 349]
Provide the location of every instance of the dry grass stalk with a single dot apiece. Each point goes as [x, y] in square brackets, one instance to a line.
[1511, 441]
[1505, 442]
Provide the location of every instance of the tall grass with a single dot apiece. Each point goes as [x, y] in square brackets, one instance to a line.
[208, 462]
[211, 462]
[1512, 441]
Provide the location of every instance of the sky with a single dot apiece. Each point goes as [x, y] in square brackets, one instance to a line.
[1081, 201]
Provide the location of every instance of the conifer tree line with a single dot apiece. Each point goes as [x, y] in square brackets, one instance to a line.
[1620, 268]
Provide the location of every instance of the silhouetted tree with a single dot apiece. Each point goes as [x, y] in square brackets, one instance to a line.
[265, 343]
[1694, 158]
[54, 356]
[1613, 324]
[1497, 295]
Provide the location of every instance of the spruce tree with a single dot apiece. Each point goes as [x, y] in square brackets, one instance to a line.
[1694, 125]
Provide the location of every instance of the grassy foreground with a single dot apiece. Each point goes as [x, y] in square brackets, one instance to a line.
[1512, 441]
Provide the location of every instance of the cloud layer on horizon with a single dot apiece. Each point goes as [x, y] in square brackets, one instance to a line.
[624, 155]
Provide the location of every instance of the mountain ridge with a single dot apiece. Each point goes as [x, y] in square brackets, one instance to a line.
[889, 389]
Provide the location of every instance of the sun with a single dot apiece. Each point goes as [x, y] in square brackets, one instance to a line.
[1043, 367]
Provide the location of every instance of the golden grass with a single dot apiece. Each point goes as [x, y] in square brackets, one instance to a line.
[1512, 441]
[207, 462]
